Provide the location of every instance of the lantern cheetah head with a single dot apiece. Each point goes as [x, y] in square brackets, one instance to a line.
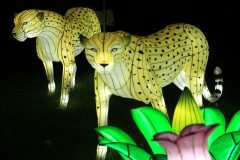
[28, 24]
[104, 50]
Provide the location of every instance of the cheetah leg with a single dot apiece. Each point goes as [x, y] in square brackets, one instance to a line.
[74, 76]
[160, 104]
[65, 52]
[181, 81]
[195, 77]
[196, 87]
[50, 76]
[67, 75]
[103, 95]
[194, 83]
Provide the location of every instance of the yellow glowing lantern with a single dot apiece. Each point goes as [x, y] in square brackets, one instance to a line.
[57, 40]
[186, 112]
[138, 67]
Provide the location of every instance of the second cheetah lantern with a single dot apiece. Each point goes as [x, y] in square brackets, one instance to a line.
[57, 40]
[139, 67]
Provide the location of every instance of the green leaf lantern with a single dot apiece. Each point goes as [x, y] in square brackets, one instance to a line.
[151, 121]
[226, 147]
[212, 116]
[234, 124]
[130, 151]
[112, 134]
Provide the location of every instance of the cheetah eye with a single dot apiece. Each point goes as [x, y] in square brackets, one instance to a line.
[114, 49]
[93, 49]
[25, 23]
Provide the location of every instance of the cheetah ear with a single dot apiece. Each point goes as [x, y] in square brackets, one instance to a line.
[83, 40]
[40, 16]
[15, 14]
[126, 40]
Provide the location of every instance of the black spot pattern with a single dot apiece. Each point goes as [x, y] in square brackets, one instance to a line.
[58, 40]
[177, 53]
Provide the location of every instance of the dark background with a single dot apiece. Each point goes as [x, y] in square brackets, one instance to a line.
[31, 125]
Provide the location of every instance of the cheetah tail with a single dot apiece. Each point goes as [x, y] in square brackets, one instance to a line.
[218, 87]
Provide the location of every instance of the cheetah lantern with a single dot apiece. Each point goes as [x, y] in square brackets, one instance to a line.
[57, 40]
[139, 67]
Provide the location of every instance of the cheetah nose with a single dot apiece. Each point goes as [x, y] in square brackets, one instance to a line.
[104, 65]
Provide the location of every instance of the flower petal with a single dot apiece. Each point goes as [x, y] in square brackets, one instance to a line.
[171, 148]
[167, 140]
[186, 147]
[195, 128]
[170, 136]
[191, 129]
[193, 142]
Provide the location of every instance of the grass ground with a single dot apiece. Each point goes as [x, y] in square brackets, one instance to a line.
[33, 128]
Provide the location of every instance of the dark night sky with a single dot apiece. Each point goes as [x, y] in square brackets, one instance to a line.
[219, 22]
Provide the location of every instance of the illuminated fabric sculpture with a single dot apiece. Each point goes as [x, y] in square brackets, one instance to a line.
[153, 123]
[224, 142]
[57, 40]
[186, 112]
[138, 67]
[191, 144]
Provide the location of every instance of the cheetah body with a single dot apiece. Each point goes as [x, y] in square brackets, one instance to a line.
[57, 40]
[176, 54]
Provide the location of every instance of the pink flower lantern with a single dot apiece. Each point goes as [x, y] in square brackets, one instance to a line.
[191, 144]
